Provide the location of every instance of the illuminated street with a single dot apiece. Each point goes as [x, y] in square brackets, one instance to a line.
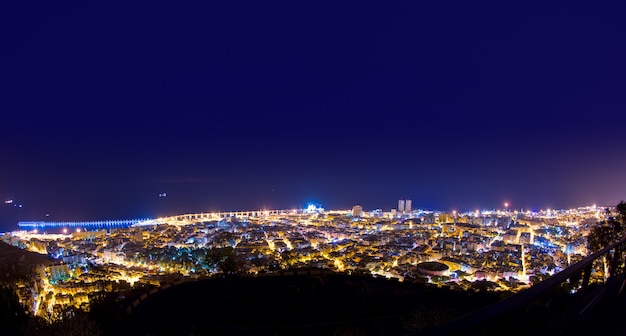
[508, 248]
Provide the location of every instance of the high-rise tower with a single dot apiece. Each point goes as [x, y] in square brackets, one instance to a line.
[401, 205]
[357, 211]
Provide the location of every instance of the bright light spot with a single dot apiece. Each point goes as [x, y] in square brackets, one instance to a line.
[35, 231]
[78, 230]
[506, 204]
[312, 208]
[8, 201]
[64, 230]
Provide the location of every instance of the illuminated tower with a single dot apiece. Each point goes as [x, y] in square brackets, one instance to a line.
[407, 205]
[357, 211]
[401, 205]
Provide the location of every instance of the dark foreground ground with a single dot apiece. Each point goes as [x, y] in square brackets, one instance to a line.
[310, 304]
[305, 302]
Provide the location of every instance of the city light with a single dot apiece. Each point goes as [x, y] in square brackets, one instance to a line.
[327, 239]
[311, 208]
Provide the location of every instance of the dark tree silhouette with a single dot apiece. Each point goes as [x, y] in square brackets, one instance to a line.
[230, 265]
[12, 313]
[608, 231]
[621, 211]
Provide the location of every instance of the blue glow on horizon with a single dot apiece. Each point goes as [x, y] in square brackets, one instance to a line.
[124, 222]
[313, 207]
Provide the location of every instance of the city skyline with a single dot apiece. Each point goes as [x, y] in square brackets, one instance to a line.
[151, 109]
[510, 250]
[68, 226]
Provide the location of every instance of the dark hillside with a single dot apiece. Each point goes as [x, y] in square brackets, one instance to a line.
[16, 264]
[312, 304]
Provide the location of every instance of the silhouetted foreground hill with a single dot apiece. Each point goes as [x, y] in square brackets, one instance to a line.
[312, 304]
[16, 263]
[304, 302]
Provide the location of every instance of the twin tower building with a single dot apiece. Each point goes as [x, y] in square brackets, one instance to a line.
[404, 205]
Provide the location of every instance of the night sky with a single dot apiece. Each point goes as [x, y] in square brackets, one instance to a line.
[237, 105]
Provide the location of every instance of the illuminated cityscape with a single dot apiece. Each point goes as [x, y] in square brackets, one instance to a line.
[510, 249]
[227, 168]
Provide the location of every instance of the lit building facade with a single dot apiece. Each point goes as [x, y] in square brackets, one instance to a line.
[357, 211]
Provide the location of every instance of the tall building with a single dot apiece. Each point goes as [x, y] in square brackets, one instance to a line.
[401, 205]
[407, 205]
[357, 211]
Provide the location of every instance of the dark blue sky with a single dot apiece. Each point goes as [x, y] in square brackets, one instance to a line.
[242, 105]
